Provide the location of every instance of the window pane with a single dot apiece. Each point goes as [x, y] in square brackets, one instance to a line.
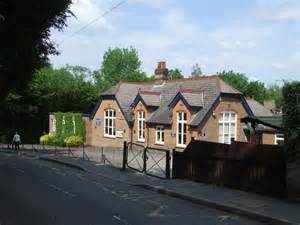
[233, 116]
[226, 138]
[106, 130]
[114, 113]
[184, 128]
[163, 136]
[226, 116]
[232, 129]
[184, 116]
[180, 128]
[226, 128]
[184, 138]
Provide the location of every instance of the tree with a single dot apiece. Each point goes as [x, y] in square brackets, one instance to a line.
[291, 119]
[257, 90]
[25, 46]
[196, 71]
[275, 92]
[119, 64]
[175, 74]
[238, 81]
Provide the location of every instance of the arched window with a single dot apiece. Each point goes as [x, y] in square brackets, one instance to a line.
[141, 125]
[227, 126]
[110, 123]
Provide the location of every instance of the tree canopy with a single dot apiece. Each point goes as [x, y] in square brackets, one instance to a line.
[256, 89]
[175, 74]
[196, 71]
[25, 44]
[119, 64]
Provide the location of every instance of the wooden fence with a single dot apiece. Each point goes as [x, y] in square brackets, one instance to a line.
[250, 167]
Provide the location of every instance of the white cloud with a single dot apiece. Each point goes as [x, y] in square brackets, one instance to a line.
[281, 10]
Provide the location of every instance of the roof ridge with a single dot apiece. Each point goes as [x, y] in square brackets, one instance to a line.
[149, 92]
[204, 77]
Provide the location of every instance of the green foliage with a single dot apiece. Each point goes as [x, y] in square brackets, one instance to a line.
[66, 129]
[196, 71]
[275, 92]
[73, 141]
[65, 89]
[256, 89]
[175, 74]
[47, 139]
[238, 81]
[291, 119]
[119, 64]
[25, 39]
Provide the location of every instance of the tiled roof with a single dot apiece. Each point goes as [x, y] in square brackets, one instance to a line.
[258, 109]
[201, 92]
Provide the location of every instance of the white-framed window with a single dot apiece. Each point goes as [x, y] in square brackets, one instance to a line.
[181, 129]
[141, 126]
[279, 139]
[227, 126]
[110, 123]
[160, 135]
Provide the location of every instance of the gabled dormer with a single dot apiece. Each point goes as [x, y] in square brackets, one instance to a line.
[192, 98]
[150, 99]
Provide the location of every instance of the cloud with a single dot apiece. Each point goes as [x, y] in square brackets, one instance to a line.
[163, 30]
[280, 10]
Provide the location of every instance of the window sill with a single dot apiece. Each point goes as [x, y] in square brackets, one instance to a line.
[159, 143]
[141, 141]
[181, 146]
[109, 136]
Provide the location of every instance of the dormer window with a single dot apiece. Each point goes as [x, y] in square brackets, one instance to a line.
[141, 126]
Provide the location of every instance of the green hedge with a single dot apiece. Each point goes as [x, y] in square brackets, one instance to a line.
[291, 119]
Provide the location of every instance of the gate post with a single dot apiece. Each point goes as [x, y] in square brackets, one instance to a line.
[168, 169]
[173, 164]
[125, 155]
[145, 160]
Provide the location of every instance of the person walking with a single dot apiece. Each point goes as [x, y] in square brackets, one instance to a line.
[17, 141]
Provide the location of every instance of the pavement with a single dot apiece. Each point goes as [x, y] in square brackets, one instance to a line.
[253, 206]
[35, 192]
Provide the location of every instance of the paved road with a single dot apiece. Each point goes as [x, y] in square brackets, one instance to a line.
[37, 192]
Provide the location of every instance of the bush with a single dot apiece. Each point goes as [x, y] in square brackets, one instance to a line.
[44, 139]
[47, 139]
[73, 141]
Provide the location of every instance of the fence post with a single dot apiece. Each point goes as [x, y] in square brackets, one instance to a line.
[173, 164]
[102, 155]
[145, 158]
[168, 169]
[125, 155]
[83, 153]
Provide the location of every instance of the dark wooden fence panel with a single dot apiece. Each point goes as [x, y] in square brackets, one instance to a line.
[257, 168]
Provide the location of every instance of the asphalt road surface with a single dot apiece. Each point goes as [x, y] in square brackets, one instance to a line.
[36, 192]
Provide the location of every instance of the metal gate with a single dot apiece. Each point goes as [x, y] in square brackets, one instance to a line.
[151, 161]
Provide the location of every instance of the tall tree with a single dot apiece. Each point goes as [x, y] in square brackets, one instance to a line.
[275, 93]
[291, 119]
[25, 45]
[196, 71]
[119, 64]
[237, 80]
[175, 74]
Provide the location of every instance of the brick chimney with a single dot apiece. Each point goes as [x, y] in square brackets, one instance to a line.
[161, 72]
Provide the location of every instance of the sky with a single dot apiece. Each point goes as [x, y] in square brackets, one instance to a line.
[260, 38]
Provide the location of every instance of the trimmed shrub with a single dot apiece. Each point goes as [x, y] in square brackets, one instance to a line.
[73, 141]
[47, 139]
